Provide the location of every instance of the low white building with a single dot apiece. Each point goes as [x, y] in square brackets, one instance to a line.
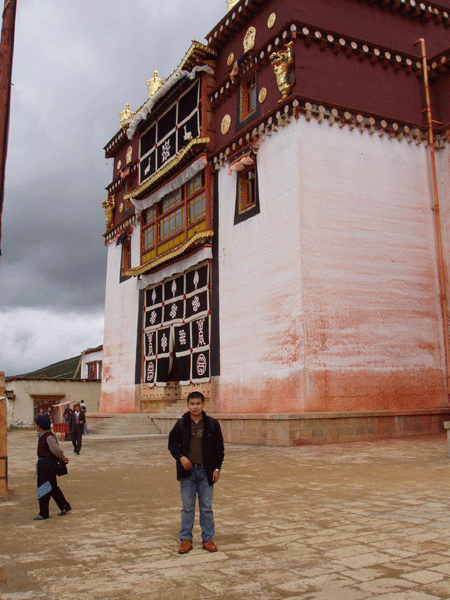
[67, 381]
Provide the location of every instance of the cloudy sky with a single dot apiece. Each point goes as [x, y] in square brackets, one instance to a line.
[76, 64]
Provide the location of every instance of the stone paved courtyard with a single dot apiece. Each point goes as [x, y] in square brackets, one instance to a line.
[342, 522]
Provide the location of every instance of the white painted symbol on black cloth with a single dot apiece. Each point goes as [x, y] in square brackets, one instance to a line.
[150, 371]
[196, 303]
[166, 150]
[173, 311]
[196, 279]
[201, 364]
[150, 343]
[182, 337]
[201, 338]
[153, 317]
[164, 342]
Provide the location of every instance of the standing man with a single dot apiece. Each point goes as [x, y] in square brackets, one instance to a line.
[196, 443]
[76, 426]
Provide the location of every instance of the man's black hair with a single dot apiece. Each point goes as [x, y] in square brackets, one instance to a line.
[196, 394]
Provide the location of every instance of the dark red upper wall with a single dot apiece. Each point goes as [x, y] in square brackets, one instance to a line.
[333, 79]
[360, 19]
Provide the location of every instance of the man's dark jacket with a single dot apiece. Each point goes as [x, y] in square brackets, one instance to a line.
[73, 427]
[212, 444]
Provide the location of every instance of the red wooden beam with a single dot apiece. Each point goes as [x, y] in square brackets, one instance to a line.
[6, 60]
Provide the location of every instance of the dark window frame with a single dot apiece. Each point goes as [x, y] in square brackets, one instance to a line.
[240, 214]
[244, 117]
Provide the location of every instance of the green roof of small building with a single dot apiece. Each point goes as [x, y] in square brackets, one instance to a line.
[64, 369]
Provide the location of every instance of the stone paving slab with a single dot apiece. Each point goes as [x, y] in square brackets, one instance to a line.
[352, 522]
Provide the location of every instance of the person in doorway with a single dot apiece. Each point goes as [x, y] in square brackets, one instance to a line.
[76, 427]
[48, 452]
[196, 443]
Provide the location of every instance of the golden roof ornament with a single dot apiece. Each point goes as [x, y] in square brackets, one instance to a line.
[283, 66]
[232, 3]
[126, 115]
[154, 84]
[109, 206]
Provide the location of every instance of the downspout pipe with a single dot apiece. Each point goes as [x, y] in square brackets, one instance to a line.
[441, 265]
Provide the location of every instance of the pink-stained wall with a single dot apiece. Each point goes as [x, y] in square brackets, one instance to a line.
[118, 393]
[329, 298]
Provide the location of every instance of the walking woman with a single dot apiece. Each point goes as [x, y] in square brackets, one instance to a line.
[49, 453]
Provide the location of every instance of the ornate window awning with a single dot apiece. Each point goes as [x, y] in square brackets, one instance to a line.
[197, 239]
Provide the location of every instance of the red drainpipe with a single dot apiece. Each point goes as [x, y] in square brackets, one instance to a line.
[441, 266]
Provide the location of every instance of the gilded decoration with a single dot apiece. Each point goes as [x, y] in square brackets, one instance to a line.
[201, 50]
[201, 236]
[119, 164]
[232, 3]
[109, 206]
[262, 95]
[225, 125]
[126, 115]
[154, 84]
[249, 39]
[230, 59]
[283, 66]
[271, 20]
[129, 154]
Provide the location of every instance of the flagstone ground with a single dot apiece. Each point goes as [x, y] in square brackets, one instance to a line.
[340, 522]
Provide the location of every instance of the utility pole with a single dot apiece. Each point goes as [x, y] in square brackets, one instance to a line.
[6, 61]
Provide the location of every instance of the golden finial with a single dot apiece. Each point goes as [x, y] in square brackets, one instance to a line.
[126, 115]
[154, 84]
[232, 3]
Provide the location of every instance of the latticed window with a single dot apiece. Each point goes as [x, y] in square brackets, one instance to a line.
[174, 219]
[170, 133]
[248, 97]
[247, 189]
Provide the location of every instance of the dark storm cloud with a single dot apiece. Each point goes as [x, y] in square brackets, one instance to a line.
[76, 64]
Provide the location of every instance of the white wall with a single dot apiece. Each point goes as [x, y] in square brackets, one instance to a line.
[329, 298]
[120, 333]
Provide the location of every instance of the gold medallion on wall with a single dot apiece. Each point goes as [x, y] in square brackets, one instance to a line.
[249, 39]
[225, 125]
[271, 20]
[129, 154]
[230, 59]
[262, 95]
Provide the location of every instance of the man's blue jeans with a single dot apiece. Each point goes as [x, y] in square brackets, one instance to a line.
[196, 484]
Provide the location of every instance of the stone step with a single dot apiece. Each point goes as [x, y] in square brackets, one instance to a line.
[127, 424]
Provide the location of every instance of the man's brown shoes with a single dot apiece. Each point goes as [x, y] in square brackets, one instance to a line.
[185, 546]
[210, 546]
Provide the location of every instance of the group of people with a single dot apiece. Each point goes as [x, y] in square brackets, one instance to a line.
[195, 442]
